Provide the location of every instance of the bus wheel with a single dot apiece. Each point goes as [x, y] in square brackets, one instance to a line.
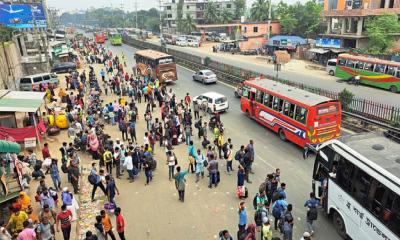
[339, 224]
[393, 89]
[281, 134]
[331, 72]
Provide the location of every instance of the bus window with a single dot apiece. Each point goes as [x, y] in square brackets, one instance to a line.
[288, 109]
[369, 66]
[359, 65]
[398, 73]
[375, 198]
[350, 64]
[345, 174]
[380, 68]
[245, 92]
[267, 101]
[391, 70]
[259, 96]
[361, 186]
[394, 218]
[300, 114]
[277, 106]
[342, 62]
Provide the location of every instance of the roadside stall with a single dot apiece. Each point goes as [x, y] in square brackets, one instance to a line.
[20, 119]
[10, 177]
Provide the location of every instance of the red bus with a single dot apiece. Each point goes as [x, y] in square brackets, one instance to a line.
[296, 115]
[100, 37]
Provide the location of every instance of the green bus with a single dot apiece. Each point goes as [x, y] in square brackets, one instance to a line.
[116, 38]
[372, 71]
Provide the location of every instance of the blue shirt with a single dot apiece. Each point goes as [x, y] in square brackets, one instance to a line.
[311, 203]
[242, 217]
[66, 198]
[54, 170]
[191, 151]
[94, 172]
[240, 178]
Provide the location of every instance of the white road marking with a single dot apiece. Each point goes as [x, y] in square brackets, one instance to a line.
[266, 163]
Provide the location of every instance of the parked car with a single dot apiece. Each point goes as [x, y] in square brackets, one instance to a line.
[193, 43]
[63, 67]
[181, 41]
[205, 76]
[215, 102]
[32, 82]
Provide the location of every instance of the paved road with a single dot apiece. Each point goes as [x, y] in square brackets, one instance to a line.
[329, 83]
[153, 212]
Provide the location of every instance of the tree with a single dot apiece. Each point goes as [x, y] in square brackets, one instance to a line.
[179, 14]
[259, 10]
[5, 34]
[380, 30]
[189, 24]
[240, 7]
[287, 21]
[226, 16]
[211, 13]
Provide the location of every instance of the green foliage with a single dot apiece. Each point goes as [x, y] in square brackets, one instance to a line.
[226, 16]
[211, 12]
[5, 34]
[188, 24]
[380, 30]
[299, 19]
[259, 10]
[179, 15]
[115, 18]
[240, 7]
[345, 98]
[207, 61]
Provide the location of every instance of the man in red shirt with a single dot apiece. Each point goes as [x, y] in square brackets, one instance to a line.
[120, 223]
[46, 151]
[187, 100]
[64, 217]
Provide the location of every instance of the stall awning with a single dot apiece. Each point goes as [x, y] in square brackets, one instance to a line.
[20, 101]
[318, 50]
[9, 147]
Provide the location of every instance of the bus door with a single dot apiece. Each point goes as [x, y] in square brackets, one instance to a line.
[252, 98]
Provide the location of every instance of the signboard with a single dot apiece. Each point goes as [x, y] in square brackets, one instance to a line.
[22, 15]
[30, 142]
[328, 42]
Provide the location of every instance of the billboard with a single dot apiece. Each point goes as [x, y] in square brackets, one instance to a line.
[328, 42]
[22, 15]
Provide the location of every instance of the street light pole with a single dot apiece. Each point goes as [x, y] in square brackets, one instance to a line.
[269, 18]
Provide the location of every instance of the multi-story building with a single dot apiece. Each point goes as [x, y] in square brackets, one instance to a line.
[193, 7]
[346, 20]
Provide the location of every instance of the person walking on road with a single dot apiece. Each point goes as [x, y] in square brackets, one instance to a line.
[180, 182]
[64, 217]
[107, 226]
[99, 182]
[108, 160]
[312, 212]
[213, 171]
[73, 171]
[111, 189]
[192, 156]
[247, 164]
[250, 148]
[128, 164]
[201, 162]
[242, 217]
[171, 162]
[55, 175]
[120, 222]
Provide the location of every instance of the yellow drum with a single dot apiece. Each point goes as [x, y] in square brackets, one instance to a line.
[122, 101]
[50, 119]
[62, 121]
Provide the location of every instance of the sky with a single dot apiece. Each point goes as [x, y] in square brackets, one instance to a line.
[129, 5]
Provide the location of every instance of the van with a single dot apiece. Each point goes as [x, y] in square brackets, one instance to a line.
[331, 66]
[214, 102]
[193, 43]
[32, 82]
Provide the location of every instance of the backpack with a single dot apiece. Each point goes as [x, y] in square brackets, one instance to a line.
[226, 154]
[237, 155]
[255, 201]
[92, 179]
[275, 196]
[64, 168]
[258, 216]
[312, 214]
[225, 147]
[277, 211]
[108, 157]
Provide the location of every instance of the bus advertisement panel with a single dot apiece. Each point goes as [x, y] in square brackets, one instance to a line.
[372, 71]
[157, 65]
[296, 115]
[359, 186]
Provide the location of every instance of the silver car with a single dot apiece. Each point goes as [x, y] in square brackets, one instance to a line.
[205, 76]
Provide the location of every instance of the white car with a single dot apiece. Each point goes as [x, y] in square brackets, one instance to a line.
[214, 102]
[181, 41]
[193, 43]
[205, 76]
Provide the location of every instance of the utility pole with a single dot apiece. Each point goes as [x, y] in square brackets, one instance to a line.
[269, 18]
[123, 13]
[161, 24]
[136, 25]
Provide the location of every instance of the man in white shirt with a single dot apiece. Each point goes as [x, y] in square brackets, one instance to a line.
[146, 139]
[129, 167]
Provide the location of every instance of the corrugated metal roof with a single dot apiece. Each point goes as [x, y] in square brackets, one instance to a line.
[152, 54]
[296, 94]
[20, 101]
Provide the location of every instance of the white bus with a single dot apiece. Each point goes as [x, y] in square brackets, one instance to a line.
[358, 181]
[331, 66]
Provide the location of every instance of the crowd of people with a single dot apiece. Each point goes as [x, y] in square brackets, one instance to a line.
[179, 119]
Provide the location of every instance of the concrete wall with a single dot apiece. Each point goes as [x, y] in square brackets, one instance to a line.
[262, 29]
[10, 66]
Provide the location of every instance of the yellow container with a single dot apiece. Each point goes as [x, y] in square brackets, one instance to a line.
[51, 120]
[62, 121]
